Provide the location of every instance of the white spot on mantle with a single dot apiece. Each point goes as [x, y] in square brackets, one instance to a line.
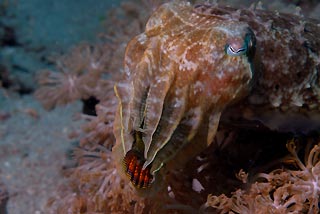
[142, 38]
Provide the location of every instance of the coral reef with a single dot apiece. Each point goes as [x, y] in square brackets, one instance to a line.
[274, 182]
[280, 191]
[91, 70]
[81, 76]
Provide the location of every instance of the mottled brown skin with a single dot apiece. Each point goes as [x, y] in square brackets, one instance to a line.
[286, 93]
[193, 63]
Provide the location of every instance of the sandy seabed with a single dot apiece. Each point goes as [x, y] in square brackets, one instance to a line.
[33, 149]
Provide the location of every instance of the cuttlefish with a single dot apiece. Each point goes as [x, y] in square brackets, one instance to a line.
[195, 66]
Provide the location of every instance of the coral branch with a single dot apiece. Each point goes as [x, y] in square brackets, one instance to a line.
[280, 191]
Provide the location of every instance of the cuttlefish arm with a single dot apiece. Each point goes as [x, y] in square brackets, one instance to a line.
[181, 74]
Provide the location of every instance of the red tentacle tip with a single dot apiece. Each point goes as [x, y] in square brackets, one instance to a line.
[133, 166]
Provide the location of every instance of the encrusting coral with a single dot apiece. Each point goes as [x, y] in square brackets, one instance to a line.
[94, 184]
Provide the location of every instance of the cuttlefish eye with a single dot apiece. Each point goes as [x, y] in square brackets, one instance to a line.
[237, 48]
[234, 51]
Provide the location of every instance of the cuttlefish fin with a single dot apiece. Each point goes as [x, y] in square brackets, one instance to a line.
[122, 120]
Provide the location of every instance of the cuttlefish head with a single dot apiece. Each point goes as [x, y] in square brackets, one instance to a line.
[181, 74]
